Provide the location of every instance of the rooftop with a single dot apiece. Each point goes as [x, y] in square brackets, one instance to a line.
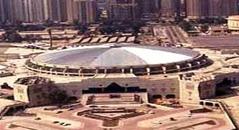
[32, 80]
[233, 17]
[114, 55]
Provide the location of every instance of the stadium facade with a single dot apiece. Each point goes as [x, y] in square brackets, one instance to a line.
[125, 74]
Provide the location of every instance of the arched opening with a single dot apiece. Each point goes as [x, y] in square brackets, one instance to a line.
[209, 104]
[224, 83]
[157, 98]
[201, 103]
[170, 96]
[224, 87]
[217, 105]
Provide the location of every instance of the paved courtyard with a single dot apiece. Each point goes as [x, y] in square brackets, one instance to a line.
[54, 118]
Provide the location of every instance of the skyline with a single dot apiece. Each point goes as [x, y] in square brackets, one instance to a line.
[93, 11]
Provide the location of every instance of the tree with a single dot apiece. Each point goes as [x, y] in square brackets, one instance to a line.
[30, 38]
[12, 36]
[136, 26]
[19, 26]
[58, 97]
[49, 22]
[83, 28]
[5, 86]
[204, 28]
[185, 25]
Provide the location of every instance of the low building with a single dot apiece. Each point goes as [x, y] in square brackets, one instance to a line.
[218, 30]
[195, 88]
[116, 89]
[233, 23]
[33, 90]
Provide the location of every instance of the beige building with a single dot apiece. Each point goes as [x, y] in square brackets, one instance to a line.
[222, 8]
[186, 89]
[233, 23]
[2, 12]
[196, 9]
[170, 8]
[33, 90]
[42, 10]
[123, 10]
[85, 11]
[195, 88]
[200, 9]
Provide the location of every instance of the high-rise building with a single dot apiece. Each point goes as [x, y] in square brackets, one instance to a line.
[222, 8]
[33, 10]
[8, 12]
[11, 10]
[122, 10]
[2, 12]
[199, 9]
[58, 10]
[38, 10]
[18, 10]
[149, 6]
[70, 10]
[86, 11]
[170, 8]
[102, 11]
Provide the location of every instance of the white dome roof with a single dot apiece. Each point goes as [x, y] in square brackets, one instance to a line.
[113, 55]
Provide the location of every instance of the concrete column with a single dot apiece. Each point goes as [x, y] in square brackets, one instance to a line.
[54, 68]
[122, 71]
[40, 69]
[189, 65]
[79, 72]
[51, 71]
[214, 105]
[178, 67]
[96, 71]
[105, 71]
[164, 69]
[148, 70]
[131, 70]
[198, 62]
[44, 66]
[64, 71]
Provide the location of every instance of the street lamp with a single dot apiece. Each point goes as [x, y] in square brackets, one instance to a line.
[50, 36]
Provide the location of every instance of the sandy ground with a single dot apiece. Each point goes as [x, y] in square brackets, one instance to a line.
[2, 67]
[2, 50]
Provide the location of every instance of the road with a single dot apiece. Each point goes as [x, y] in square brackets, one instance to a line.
[173, 33]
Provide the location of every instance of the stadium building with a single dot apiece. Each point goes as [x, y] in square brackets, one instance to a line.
[125, 74]
[113, 58]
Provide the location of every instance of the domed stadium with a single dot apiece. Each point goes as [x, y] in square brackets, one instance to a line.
[117, 58]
